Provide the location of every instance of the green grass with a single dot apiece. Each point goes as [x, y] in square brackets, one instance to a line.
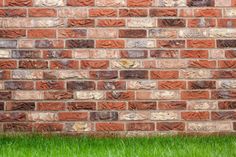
[61, 146]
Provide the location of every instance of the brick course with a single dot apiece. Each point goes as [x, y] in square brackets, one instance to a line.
[118, 66]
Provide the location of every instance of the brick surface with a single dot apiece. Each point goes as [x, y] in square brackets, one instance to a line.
[130, 67]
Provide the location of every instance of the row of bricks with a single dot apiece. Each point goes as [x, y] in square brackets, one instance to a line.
[104, 12]
[123, 55]
[115, 33]
[107, 75]
[119, 95]
[121, 105]
[119, 43]
[129, 3]
[119, 64]
[117, 23]
[115, 116]
[112, 127]
[117, 85]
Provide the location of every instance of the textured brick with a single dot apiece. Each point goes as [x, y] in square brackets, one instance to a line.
[102, 12]
[50, 106]
[108, 116]
[109, 126]
[141, 22]
[17, 127]
[195, 116]
[48, 127]
[13, 117]
[42, 116]
[111, 105]
[142, 105]
[172, 105]
[75, 116]
[89, 95]
[164, 115]
[170, 126]
[21, 85]
[41, 12]
[80, 2]
[171, 23]
[133, 12]
[78, 127]
[209, 126]
[19, 3]
[28, 95]
[140, 126]
[50, 3]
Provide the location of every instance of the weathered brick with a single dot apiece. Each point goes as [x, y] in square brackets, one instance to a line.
[120, 95]
[141, 85]
[60, 95]
[73, 116]
[19, 3]
[170, 126]
[78, 127]
[17, 127]
[226, 115]
[109, 126]
[164, 115]
[13, 117]
[108, 116]
[140, 126]
[209, 126]
[172, 105]
[202, 105]
[21, 85]
[171, 3]
[27, 95]
[80, 2]
[171, 23]
[227, 105]
[82, 95]
[200, 3]
[42, 116]
[111, 105]
[195, 116]
[42, 12]
[80, 85]
[141, 22]
[81, 106]
[142, 105]
[48, 127]
[51, 3]
[133, 12]
[102, 12]
[111, 85]
[50, 106]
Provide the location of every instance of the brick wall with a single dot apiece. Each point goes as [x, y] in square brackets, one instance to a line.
[118, 66]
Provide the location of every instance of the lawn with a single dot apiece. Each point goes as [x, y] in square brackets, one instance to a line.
[61, 146]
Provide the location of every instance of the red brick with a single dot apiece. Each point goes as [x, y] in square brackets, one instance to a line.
[102, 12]
[81, 23]
[65, 64]
[133, 12]
[171, 85]
[109, 126]
[12, 33]
[42, 12]
[164, 74]
[41, 33]
[195, 116]
[111, 22]
[170, 126]
[8, 64]
[33, 64]
[142, 105]
[172, 105]
[50, 106]
[201, 43]
[80, 3]
[162, 12]
[191, 95]
[207, 12]
[94, 64]
[139, 3]
[110, 44]
[111, 105]
[73, 116]
[47, 85]
[20, 3]
[140, 126]
[12, 12]
[48, 127]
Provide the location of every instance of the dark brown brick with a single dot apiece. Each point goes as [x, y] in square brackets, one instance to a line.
[5, 95]
[15, 85]
[111, 85]
[170, 126]
[17, 127]
[132, 33]
[80, 43]
[163, 12]
[109, 116]
[200, 3]
[24, 106]
[202, 85]
[226, 43]
[227, 115]
[171, 23]
[103, 74]
[48, 127]
[134, 74]
[142, 106]
[227, 105]
[12, 117]
[80, 85]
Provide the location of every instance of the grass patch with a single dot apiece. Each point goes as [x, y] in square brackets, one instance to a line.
[61, 146]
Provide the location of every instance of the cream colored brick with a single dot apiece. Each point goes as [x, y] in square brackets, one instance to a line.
[127, 64]
[5, 53]
[209, 126]
[26, 74]
[141, 84]
[164, 115]
[49, 3]
[42, 116]
[141, 22]
[28, 95]
[165, 95]
[194, 74]
[134, 115]
[202, 105]
[88, 95]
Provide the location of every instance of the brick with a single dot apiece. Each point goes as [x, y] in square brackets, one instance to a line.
[1, 106]
[78, 127]
[130, 33]
[21, 85]
[127, 64]
[207, 13]
[72, 12]
[164, 74]
[224, 74]
[47, 85]
[140, 43]
[194, 54]
[162, 33]
[227, 84]
[170, 3]
[202, 85]
[20, 106]
[64, 64]
[72, 33]
[56, 54]
[42, 116]
[226, 43]
[24, 54]
[164, 115]
[110, 44]
[110, 3]
[60, 95]
[200, 3]
[42, 12]
[141, 22]
[226, 23]
[171, 43]
[19, 3]
[140, 126]
[133, 13]
[226, 115]
[172, 105]
[81, 106]
[12, 33]
[13, 117]
[142, 105]
[133, 54]
[41, 33]
[164, 95]
[111, 23]
[195, 116]
[8, 44]
[81, 95]
[111, 105]
[70, 74]
[17, 127]
[27, 95]
[73, 116]
[103, 74]
[139, 3]
[230, 54]
[227, 105]
[209, 126]
[202, 64]
[52, 3]
[223, 94]
[49, 44]
[120, 95]
[111, 85]
[171, 85]
[26, 74]
[12, 12]
[171, 23]
[170, 126]
[5, 54]
[193, 95]
[48, 127]
[134, 74]
[102, 33]
[94, 64]
[162, 12]
[102, 12]
[109, 126]
[33, 64]
[81, 23]
[231, 12]
[141, 84]
[80, 2]
[202, 105]
[50, 106]
[195, 74]
[108, 116]
[133, 116]
[80, 85]
[171, 64]
[8, 64]
[201, 44]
